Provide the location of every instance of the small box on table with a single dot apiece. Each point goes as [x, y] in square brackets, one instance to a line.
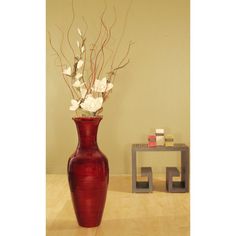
[169, 140]
[152, 141]
[160, 139]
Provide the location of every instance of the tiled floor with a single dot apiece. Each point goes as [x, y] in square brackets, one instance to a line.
[125, 214]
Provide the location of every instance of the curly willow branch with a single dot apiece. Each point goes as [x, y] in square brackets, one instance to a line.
[108, 59]
[85, 52]
[106, 43]
[102, 48]
[61, 44]
[68, 32]
[122, 34]
[86, 24]
[50, 41]
[93, 64]
[127, 53]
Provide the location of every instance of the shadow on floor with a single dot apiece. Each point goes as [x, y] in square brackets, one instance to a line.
[120, 184]
[159, 185]
[124, 184]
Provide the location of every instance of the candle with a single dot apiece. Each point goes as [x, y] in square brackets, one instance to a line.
[169, 140]
[152, 141]
[160, 139]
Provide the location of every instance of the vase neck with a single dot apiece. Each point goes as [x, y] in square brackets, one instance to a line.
[87, 128]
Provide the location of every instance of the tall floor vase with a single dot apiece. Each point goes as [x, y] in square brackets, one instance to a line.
[88, 174]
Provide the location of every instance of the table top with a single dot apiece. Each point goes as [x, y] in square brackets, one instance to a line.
[144, 147]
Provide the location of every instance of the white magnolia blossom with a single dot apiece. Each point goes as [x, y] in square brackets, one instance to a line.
[74, 104]
[102, 85]
[83, 92]
[78, 75]
[92, 104]
[78, 84]
[80, 63]
[77, 44]
[67, 71]
[82, 49]
[79, 31]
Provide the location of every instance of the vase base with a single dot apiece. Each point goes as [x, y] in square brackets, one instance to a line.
[89, 225]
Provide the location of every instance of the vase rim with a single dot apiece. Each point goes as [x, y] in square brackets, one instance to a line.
[87, 118]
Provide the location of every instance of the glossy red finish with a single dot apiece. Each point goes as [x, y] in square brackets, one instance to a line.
[88, 174]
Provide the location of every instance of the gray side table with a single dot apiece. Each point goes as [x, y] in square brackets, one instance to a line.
[182, 186]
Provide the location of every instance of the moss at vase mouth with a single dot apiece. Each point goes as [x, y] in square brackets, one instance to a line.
[84, 113]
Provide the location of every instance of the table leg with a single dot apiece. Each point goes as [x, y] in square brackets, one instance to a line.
[185, 168]
[134, 171]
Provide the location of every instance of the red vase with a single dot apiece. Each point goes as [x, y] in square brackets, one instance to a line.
[88, 174]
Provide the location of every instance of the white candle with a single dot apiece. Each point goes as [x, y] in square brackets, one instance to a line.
[160, 137]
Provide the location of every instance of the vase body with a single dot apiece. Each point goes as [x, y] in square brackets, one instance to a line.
[88, 174]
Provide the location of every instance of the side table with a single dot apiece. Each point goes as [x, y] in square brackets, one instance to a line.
[182, 186]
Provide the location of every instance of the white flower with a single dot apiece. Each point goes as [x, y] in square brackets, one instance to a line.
[80, 63]
[78, 75]
[92, 104]
[67, 71]
[82, 49]
[74, 104]
[77, 44]
[79, 31]
[77, 84]
[83, 92]
[102, 85]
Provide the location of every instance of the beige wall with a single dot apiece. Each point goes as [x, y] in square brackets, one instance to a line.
[151, 92]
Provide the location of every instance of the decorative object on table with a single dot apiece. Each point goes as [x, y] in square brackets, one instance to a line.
[89, 76]
[160, 139]
[169, 140]
[152, 141]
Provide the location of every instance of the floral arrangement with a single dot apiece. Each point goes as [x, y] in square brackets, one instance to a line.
[91, 74]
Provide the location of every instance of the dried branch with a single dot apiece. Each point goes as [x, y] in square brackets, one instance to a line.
[85, 51]
[50, 41]
[92, 64]
[108, 58]
[97, 57]
[121, 66]
[115, 19]
[101, 49]
[108, 39]
[122, 34]
[127, 53]
[61, 44]
[86, 24]
[68, 32]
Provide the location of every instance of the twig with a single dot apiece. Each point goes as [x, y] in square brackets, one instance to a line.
[92, 64]
[108, 39]
[122, 34]
[100, 50]
[85, 31]
[68, 32]
[50, 41]
[62, 45]
[127, 53]
[85, 51]
[121, 66]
